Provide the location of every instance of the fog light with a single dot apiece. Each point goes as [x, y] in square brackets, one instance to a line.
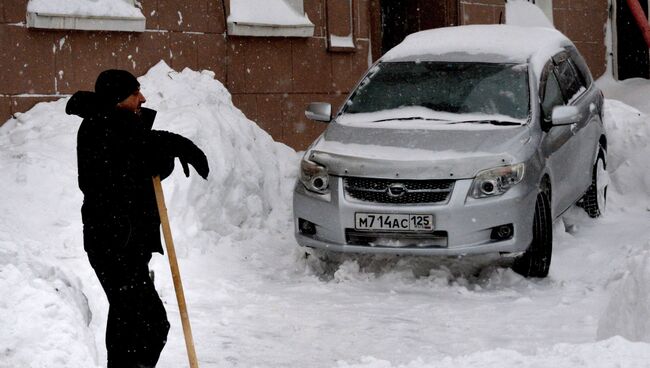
[503, 232]
[306, 228]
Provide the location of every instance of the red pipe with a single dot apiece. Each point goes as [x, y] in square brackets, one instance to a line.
[641, 19]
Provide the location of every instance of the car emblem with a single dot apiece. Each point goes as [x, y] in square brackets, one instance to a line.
[397, 190]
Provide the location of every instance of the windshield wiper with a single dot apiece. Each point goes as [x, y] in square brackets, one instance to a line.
[493, 122]
[409, 118]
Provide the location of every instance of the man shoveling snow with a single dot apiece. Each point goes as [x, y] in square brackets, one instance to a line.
[118, 154]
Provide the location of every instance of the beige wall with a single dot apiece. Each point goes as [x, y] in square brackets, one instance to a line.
[271, 79]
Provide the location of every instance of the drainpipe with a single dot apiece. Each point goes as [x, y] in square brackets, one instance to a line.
[641, 19]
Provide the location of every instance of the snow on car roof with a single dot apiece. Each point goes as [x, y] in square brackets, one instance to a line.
[493, 43]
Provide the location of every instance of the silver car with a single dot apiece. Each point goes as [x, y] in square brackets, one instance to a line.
[460, 140]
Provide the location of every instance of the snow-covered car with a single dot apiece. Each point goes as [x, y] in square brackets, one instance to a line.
[459, 140]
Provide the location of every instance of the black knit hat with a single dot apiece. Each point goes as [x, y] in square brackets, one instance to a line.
[113, 85]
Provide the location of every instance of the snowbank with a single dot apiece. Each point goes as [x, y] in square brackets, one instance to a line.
[628, 312]
[53, 310]
[44, 314]
[604, 354]
[627, 132]
[251, 176]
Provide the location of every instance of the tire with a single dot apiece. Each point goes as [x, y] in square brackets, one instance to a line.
[536, 260]
[594, 200]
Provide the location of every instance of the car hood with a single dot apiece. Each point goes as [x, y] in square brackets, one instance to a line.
[441, 153]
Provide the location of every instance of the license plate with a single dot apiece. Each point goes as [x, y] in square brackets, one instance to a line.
[393, 222]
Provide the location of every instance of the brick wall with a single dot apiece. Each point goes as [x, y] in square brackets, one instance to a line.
[271, 79]
[583, 21]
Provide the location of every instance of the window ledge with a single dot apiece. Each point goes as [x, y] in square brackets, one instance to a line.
[85, 23]
[270, 30]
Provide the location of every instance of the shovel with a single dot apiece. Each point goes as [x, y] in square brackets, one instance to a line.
[176, 275]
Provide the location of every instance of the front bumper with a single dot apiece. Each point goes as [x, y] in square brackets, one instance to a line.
[462, 225]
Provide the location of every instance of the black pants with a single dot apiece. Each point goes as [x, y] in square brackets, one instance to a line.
[137, 326]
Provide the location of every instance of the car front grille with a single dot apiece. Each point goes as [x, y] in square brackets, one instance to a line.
[436, 239]
[398, 191]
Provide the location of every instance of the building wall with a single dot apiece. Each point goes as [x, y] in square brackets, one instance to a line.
[271, 79]
[583, 21]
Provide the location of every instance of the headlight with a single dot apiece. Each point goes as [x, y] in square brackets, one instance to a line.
[494, 182]
[314, 177]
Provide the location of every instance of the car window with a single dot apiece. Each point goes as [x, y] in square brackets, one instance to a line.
[581, 67]
[570, 83]
[552, 96]
[450, 87]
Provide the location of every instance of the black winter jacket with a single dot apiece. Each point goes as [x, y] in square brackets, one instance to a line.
[117, 155]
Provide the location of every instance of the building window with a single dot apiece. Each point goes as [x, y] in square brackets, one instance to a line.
[340, 25]
[86, 15]
[269, 18]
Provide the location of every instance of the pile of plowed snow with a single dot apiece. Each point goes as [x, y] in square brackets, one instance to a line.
[45, 317]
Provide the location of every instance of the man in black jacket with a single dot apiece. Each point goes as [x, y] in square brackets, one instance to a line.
[118, 154]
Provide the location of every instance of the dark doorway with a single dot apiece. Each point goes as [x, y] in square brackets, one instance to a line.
[631, 49]
[399, 18]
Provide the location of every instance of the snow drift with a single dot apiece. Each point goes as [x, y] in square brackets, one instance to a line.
[235, 231]
[44, 277]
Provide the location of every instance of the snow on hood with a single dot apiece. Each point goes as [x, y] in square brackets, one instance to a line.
[499, 43]
[421, 153]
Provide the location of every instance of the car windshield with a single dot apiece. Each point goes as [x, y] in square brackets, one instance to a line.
[453, 91]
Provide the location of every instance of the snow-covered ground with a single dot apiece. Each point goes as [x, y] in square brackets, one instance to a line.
[255, 300]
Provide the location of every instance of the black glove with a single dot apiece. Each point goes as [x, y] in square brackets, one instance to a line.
[174, 145]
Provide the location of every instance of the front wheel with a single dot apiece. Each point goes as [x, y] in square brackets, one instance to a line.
[536, 260]
[595, 198]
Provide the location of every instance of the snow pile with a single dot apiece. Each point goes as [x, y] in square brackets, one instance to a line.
[53, 309]
[605, 354]
[251, 176]
[525, 14]
[627, 132]
[628, 312]
[86, 8]
[45, 316]
[633, 91]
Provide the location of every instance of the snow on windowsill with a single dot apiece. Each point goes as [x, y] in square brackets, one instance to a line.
[343, 43]
[264, 18]
[90, 15]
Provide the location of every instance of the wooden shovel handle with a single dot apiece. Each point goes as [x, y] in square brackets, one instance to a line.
[176, 274]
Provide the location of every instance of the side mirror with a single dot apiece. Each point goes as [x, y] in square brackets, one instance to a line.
[319, 111]
[565, 115]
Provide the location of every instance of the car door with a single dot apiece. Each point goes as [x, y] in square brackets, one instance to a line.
[585, 131]
[557, 146]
